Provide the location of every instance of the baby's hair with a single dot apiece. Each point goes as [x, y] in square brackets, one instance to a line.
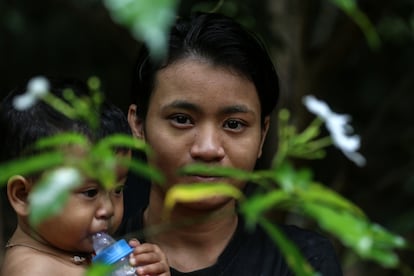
[21, 129]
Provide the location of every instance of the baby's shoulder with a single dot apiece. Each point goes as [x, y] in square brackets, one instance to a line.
[24, 261]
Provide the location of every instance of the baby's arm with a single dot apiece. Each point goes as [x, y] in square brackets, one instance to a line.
[149, 259]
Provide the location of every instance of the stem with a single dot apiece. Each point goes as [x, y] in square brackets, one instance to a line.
[60, 106]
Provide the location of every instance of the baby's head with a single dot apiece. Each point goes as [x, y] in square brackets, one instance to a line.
[21, 128]
[90, 208]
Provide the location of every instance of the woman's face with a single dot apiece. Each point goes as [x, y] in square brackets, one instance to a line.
[201, 113]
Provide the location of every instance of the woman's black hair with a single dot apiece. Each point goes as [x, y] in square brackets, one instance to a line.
[218, 39]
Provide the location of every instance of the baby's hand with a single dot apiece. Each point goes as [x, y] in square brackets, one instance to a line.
[149, 259]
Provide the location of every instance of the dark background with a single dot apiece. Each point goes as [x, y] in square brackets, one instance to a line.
[317, 50]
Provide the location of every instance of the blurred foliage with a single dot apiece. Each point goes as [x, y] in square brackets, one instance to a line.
[282, 186]
[317, 49]
[351, 8]
[148, 21]
[56, 164]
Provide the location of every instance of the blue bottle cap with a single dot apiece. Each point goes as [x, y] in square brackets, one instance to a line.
[113, 253]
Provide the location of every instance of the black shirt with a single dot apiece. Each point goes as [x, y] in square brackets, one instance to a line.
[253, 253]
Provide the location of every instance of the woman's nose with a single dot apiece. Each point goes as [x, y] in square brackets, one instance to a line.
[207, 145]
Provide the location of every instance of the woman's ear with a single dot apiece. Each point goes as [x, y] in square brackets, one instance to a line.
[135, 123]
[265, 129]
[18, 188]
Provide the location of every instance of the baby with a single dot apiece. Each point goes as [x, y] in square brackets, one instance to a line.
[62, 243]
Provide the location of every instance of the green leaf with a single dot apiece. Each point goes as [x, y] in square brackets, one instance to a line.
[101, 164]
[60, 105]
[350, 7]
[293, 256]
[49, 195]
[322, 195]
[123, 140]
[255, 206]
[368, 240]
[311, 132]
[198, 191]
[290, 179]
[30, 165]
[145, 170]
[62, 139]
[314, 149]
[99, 269]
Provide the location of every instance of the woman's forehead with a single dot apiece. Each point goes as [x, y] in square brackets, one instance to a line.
[193, 78]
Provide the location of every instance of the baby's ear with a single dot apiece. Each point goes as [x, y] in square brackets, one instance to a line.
[18, 188]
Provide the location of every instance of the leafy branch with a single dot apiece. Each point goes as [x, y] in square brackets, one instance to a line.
[63, 161]
[284, 187]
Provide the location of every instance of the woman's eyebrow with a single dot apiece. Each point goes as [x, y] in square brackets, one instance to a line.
[182, 105]
[232, 109]
[226, 110]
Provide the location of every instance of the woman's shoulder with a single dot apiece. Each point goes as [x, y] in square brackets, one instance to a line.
[304, 237]
[309, 242]
[315, 247]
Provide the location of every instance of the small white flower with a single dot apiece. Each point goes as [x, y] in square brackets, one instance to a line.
[338, 126]
[61, 179]
[317, 107]
[36, 88]
[24, 101]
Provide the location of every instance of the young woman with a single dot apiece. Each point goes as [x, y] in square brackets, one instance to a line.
[210, 102]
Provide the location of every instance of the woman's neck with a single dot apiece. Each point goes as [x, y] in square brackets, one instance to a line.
[191, 238]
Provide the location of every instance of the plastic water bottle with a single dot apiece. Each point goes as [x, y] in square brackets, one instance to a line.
[110, 251]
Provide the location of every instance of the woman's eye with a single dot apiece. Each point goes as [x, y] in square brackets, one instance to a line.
[234, 124]
[181, 119]
[90, 193]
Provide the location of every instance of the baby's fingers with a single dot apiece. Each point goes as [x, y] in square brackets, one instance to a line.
[153, 269]
[144, 258]
[133, 243]
[150, 260]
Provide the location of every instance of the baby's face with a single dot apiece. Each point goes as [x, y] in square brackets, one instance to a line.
[90, 208]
